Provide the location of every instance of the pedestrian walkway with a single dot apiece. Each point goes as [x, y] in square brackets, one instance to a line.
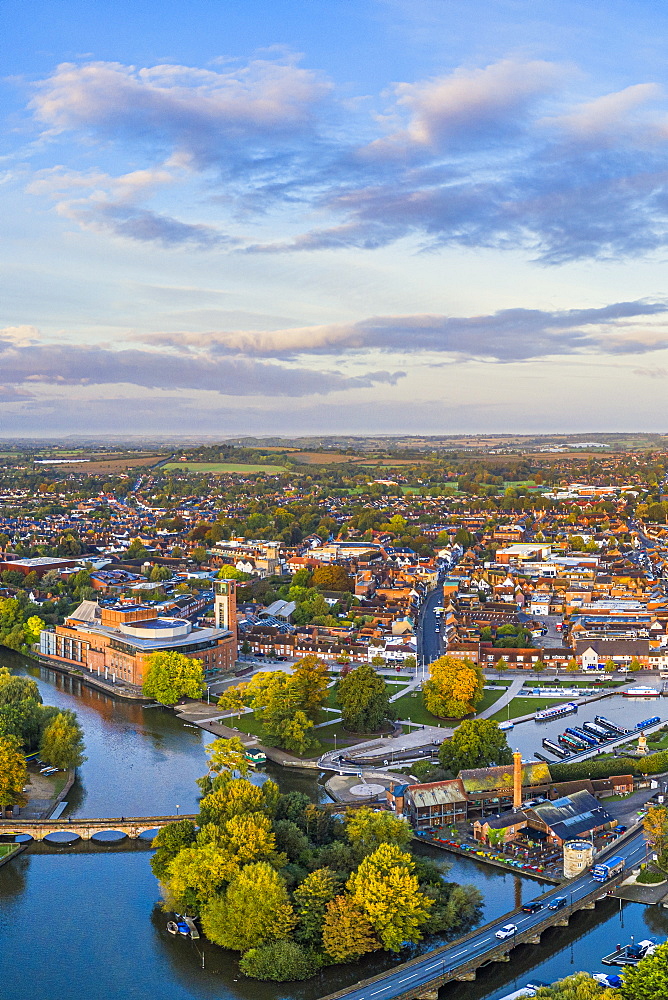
[505, 699]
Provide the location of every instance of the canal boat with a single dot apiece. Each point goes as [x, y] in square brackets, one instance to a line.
[579, 734]
[506, 726]
[648, 722]
[599, 731]
[639, 691]
[555, 712]
[614, 729]
[255, 757]
[554, 749]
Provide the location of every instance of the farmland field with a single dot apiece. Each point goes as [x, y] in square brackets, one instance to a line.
[92, 466]
[224, 467]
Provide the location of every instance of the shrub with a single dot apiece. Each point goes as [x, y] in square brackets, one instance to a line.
[281, 961]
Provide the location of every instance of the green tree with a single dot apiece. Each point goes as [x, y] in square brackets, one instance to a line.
[171, 676]
[581, 986]
[13, 773]
[62, 743]
[168, 842]
[159, 573]
[347, 933]
[255, 909]
[232, 573]
[331, 577]
[388, 893]
[281, 961]
[474, 743]
[635, 665]
[610, 666]
[236, 797]
[572, 666]
[648, 980]
[367, 829]
[364, 700]
[454, 687]
[311, 899]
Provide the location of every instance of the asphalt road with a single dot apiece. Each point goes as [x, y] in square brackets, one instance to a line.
[430, 638]
[460, 953]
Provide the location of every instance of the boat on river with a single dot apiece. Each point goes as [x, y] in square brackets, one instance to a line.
[630, 954]
[555, 712]
[641, 692]
[255, 757]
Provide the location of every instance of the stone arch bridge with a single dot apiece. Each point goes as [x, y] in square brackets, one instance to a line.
[131, 826]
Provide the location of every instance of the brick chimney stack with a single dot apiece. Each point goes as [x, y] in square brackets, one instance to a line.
[517, 780]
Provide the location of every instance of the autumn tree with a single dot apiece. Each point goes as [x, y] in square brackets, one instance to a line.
[364, 700]
[236, 797]
[474, 743]
[454, 687]
[655, 826]
[171, 676]
[331, 577]
[388, 893]
[13, 773]
[367, 829]
[347, 933]
[581, 986]
[309, 680]
[254, 910]
[227, 755]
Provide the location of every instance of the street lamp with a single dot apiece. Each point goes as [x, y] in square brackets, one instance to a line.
[177, 810]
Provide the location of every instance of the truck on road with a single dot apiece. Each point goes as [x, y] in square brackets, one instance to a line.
[606, 869]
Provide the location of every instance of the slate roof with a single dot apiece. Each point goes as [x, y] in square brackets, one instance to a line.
[436, 793]
[573, 815]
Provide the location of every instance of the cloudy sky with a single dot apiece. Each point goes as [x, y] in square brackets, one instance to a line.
[313, 216]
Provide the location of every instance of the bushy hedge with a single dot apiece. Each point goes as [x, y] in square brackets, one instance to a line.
[654, 763]
[282, 961]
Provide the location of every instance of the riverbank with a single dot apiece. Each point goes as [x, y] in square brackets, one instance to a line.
[10, 851]
[91, 680]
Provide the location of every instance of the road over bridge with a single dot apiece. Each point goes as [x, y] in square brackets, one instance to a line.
[131, 826]
[460, 959]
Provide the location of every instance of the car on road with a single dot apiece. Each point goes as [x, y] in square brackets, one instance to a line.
[557, 903]
[508, 930]
[532, 907]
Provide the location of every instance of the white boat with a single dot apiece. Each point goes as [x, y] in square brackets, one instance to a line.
[556, 711]
[641, 692]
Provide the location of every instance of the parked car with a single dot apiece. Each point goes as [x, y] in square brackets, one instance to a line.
[532, 907]
[557, 903]
[508, 930]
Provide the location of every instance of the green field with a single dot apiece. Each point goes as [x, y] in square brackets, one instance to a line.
[410, 706]
[489, 696]
[524, 706]
[223, 467]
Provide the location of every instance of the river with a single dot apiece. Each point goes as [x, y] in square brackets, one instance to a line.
[85, 923]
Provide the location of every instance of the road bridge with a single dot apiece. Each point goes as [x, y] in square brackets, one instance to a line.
[131, 826]
[461, 959]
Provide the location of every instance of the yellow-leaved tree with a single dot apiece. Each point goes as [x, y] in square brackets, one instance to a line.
[255, 909]
[454, 687]
[347, 933]
[388, 894]
[13, 773]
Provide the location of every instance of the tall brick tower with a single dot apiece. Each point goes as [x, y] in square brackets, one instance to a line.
[517, 780]
[225, 606]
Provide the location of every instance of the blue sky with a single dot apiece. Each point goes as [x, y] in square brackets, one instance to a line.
[383, 216]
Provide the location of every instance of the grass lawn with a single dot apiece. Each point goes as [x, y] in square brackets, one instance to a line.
[524, 706]
[410, 706]
[488, 698]
[223, 467]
